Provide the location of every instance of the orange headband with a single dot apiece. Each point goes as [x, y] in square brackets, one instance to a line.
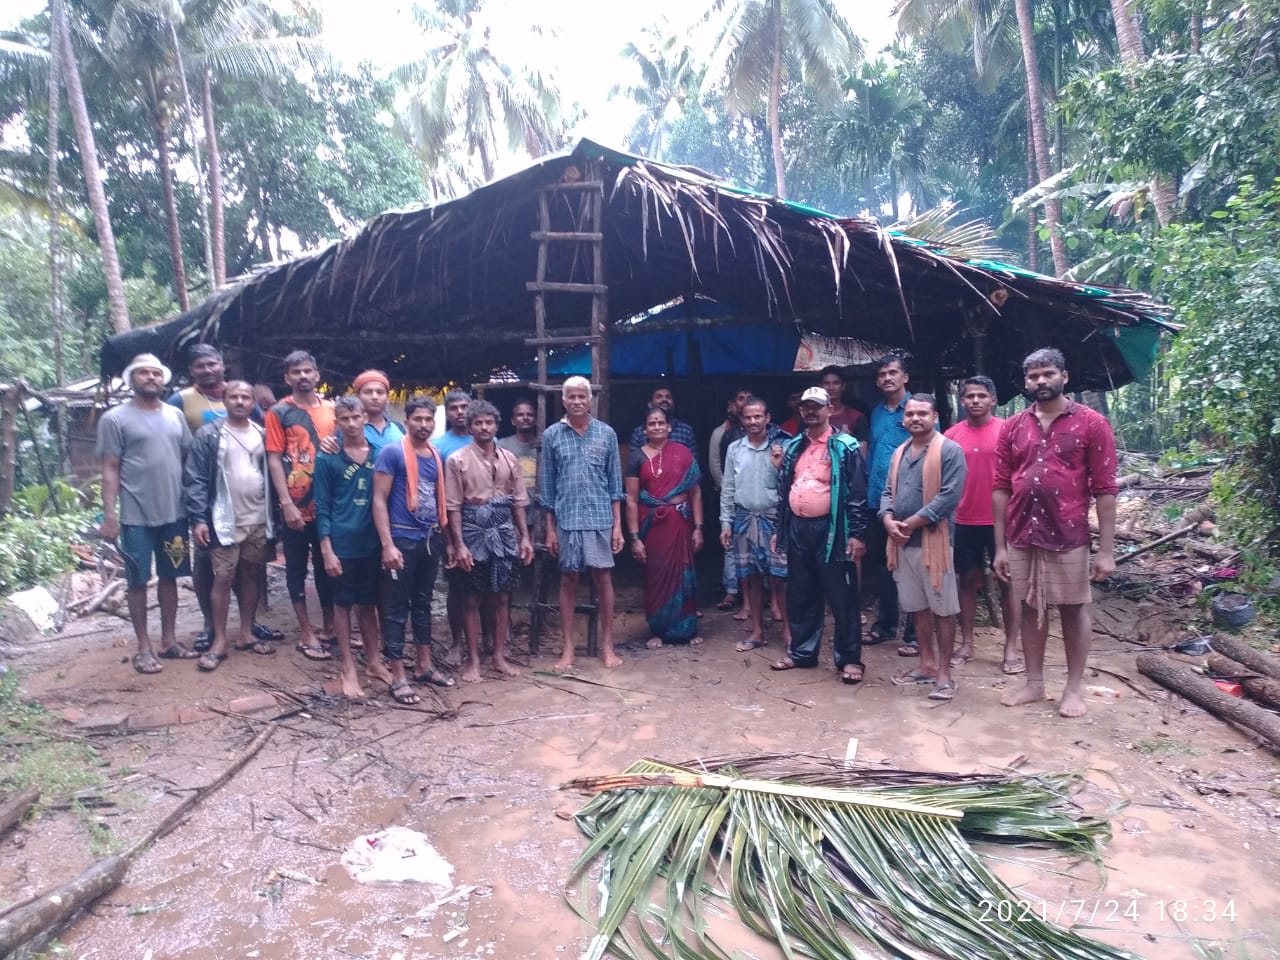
[371, 376]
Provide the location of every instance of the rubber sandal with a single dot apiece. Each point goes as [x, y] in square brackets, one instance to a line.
[146, 663]
[436, 679]
[847, 676]
[316, 652]
[403, 694]
[726, 604]
[210, 662]
[745, 646]
[262, 648]
[1014, 667]
[263, 632]
[913, 678]
[959, 660]
[786, 663]
[202, 641]
[909, 650]
[943, 691]
[177, 652]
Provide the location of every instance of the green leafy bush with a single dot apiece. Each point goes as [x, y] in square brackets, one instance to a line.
[35, 549]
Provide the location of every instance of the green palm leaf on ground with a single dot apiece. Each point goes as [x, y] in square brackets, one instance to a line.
[828, 862]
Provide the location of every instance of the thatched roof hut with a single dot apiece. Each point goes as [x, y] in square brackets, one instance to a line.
[439, 292]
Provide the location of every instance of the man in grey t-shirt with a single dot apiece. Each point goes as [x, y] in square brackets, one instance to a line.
[142, 444]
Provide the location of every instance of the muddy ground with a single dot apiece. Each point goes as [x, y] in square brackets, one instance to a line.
[1194, 805]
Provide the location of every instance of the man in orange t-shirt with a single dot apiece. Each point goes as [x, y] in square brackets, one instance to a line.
[295, 426]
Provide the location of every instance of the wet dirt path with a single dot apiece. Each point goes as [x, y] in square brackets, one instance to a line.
[1195, 820]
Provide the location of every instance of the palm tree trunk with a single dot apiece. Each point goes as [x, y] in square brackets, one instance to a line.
[775, 96]
[117, 307]
[201, 191]
[217, 221]
[1033, 234]
[171, 216]
[1039, 133]
[1129, 39]
[55, 212]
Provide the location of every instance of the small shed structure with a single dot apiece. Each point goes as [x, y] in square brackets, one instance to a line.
[559, 254]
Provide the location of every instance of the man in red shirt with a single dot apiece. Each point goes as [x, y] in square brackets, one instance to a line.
[1051, 459]
[975, 538]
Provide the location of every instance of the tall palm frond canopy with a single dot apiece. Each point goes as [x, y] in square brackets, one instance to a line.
[439, 292]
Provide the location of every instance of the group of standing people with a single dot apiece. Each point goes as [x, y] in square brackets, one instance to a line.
[371, 509]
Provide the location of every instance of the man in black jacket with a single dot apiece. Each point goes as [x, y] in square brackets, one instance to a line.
[822, 522]
[227, 495]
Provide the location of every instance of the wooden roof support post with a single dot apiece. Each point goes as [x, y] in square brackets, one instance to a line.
[10, 402]
[540, 308]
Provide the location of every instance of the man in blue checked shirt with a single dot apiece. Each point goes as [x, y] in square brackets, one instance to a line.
[580, 488]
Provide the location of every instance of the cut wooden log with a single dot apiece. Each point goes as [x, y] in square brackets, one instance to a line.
[1241, 652]
[1202, 692]
[15, 808]
[41, 916]
[1265, 690]
[1161, 541]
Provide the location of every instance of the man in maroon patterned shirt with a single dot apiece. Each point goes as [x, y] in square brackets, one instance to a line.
[1050, 460]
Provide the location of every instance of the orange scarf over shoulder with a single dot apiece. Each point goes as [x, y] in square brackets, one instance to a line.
[936, 541]
[411, 480]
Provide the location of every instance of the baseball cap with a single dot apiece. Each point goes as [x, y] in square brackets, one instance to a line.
[815, 395]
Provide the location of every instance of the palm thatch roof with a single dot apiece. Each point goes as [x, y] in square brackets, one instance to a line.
[438, 292]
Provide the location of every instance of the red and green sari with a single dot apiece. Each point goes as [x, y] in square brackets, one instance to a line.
[667, 531]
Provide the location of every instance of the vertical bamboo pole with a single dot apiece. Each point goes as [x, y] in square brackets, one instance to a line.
[599, 301]
[540, 309]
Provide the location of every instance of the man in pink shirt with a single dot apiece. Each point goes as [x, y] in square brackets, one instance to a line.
[1051, 459]
[975, 538]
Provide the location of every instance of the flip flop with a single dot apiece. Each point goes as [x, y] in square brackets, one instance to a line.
[874, 639]
[744, 646]
[402, 693]
[210, 662]
[435, 678]
[909, 650]
[726, 604]
[146, 663]
[943, 691]
[262, 648]
[1013, 667]
[202, 641]
[786, 663]
[177, 651]
[959, 660]
[263, 632]
[314, 652]
[847, 674]
[913, 678]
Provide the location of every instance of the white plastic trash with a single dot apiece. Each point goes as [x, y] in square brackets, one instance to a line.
[397, 855]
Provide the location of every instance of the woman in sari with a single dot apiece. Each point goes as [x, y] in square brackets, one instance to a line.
[664, 514]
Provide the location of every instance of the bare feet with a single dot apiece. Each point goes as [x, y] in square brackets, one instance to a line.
[501, 666]
[776, 614]
[471, 673]
[1072, 704]
[743, 614]
[375, 669]
[351, 683]
[654, 643]
[1028, 693]
[610, 659]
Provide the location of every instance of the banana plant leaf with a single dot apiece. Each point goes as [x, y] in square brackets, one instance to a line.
[828, 861]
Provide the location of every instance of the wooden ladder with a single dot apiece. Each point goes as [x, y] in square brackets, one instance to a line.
[587, 231]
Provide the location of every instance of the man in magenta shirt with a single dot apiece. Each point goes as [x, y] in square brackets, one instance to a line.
[975, 537]
[1051, 459]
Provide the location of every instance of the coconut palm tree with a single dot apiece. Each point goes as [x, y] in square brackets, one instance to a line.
[754, 38]
[465, 96]
[69, 66]
[669, 76]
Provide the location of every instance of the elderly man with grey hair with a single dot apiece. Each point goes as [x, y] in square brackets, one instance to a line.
[580, 487]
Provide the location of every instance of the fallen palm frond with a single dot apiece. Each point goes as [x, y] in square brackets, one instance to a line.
[817, 856]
